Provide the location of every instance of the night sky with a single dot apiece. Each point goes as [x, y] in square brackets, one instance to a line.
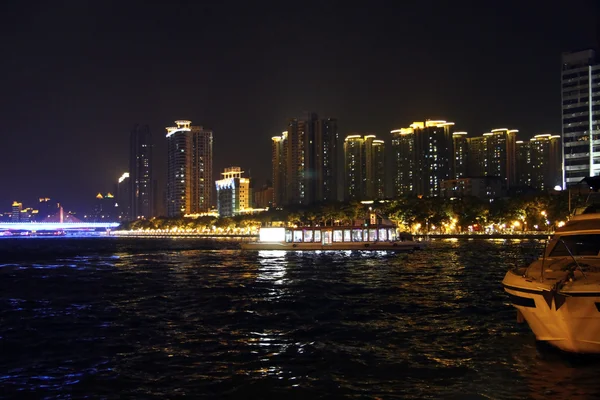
[76, 76]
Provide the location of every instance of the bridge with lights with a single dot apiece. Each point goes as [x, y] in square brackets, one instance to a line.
[58, 223]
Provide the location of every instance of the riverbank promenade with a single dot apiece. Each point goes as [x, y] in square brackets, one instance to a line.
[253, 236]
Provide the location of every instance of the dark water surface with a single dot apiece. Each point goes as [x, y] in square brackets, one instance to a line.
[134, 318]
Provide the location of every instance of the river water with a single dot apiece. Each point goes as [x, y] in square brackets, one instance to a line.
[158, 318]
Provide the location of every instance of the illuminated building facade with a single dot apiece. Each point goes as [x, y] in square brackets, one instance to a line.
[501, 154]
[494, 154]
[477, 156]
[433, 145]
[16, 211]
[325, 147]
[278, 158]
[140, 203]
[546, 156]
[375, 167]
[364, 165]
[189, 169]
[353, 162]
[305, 161]
[233, 192]
[580, 80]
[429, 158]
[523, 163]
[299, 160]
[539, 162]
[403, 147]
[461, 154]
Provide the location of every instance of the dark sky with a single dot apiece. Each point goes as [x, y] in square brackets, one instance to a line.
[76, 75]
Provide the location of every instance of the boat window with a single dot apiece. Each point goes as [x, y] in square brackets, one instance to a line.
[308, 236]
[578, 245]
[337, 236]
[357, 235]
[392, 234]
[347, 235]
[288, 236]
[383, 234]
[297, 236]
[372, 235]
[327, 237]
[317, 236]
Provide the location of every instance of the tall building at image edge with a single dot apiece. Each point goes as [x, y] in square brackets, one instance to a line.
[305, 161]
[141, 185]
[189, 169]
[580, 95]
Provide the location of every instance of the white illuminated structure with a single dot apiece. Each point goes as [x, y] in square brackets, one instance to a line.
[123, 177]
[272, 235]
[580, 116]
[233, 193]
[182, 126]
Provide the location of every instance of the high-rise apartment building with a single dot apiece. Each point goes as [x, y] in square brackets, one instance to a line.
[523, 163]
[353, 166]
[501, 154]
[375, 167]
[233, 192]
[16, 211]
[140, 203]
[494, 154]
[278, 158]
[477, 156]
[189, 169]
[580, 80]
[430, 160]
[403, 145]
[364, 165]
[538, 162]
[305, 161]
[546, 151]
[326, 160]
[461, 154]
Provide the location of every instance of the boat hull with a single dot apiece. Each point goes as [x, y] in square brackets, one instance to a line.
[407, 246]
[566, 319]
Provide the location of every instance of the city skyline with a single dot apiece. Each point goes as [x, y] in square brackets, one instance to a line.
[77, 88]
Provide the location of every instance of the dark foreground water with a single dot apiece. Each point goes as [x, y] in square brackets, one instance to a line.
[134, 318]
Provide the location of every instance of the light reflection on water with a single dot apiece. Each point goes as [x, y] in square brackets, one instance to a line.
[165, 319]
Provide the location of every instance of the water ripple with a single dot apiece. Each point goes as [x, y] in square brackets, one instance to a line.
[164, 319]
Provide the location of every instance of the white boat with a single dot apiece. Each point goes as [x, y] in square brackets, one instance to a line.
[558, 295]
[369, 236]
